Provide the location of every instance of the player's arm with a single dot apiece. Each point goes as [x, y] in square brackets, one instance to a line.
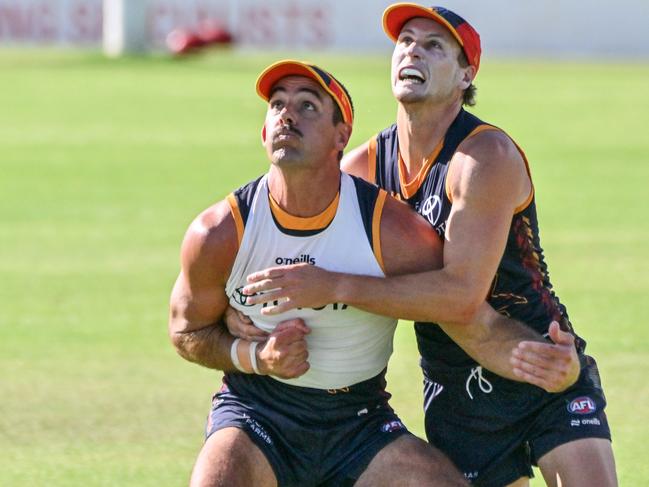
[198, 302]
[198, 299]
[409, 244]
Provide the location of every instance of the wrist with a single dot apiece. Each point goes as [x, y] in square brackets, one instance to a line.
[245, 357]
[235, 355]
[340, 290]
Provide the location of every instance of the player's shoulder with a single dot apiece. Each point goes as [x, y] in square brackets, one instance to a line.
[490, 146]
[211, 231]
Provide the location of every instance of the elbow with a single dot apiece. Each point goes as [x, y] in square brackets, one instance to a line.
[183, 345]
[465, 312]
[182, 340]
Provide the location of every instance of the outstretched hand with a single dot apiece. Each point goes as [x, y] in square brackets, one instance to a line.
[291, 286]
[551, 366]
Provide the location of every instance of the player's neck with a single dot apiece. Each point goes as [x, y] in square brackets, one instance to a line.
[304, 192]
[421, 127]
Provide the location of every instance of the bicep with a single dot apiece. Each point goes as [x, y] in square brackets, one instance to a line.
[198, 298]
[485, 194]
[194, 306]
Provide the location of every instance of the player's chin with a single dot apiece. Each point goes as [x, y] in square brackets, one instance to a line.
[410, 93]
[286, 154]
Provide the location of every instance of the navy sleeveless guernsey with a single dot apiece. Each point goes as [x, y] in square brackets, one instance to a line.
[521, 287]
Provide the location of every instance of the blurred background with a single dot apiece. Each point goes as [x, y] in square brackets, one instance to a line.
[122, 120]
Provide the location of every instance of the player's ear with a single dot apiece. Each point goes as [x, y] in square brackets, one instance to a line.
[343, 134]
[467, 77]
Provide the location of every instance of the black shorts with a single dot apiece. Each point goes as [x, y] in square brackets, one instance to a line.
[495, 429]
[311, 437]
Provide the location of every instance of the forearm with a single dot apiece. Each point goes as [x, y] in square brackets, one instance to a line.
[208, 346]
[432, 296]
[490, 339]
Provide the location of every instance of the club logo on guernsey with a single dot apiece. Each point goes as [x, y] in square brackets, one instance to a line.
[240, 298]
[304, 258]
[431, 209]
[582, 405]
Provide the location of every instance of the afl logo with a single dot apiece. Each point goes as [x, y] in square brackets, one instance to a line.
[431, 208]
[582, 405]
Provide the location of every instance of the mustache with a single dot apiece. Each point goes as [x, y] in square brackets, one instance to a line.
[288, 129]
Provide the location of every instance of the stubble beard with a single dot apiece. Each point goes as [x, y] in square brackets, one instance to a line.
[283, 156]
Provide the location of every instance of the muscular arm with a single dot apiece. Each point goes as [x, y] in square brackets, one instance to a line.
[198, 298]
[198, 302]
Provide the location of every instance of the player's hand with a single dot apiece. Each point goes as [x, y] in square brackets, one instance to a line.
[285, 353]
[240, 326]
[292, 286]
[551, 366]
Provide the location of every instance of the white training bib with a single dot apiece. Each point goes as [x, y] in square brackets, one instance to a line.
[346, 345]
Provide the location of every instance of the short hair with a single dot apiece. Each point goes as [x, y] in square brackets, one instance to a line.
[338, 115]
[468, 95]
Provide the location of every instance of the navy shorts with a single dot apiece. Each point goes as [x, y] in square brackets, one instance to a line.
[495, 429]
[311, 437]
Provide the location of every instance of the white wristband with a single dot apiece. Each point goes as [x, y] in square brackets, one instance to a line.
[234, 354]
[253, 357]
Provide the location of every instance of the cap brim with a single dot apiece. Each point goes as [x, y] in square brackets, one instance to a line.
[396, 15]
[273, 73]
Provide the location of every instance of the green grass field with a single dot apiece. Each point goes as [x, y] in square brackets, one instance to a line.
[104, 163]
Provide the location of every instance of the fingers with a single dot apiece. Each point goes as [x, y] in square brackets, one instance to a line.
[288, 334]
[550, 366]
[296, 323]
[558, 336]
[262, 289]
[281, 307]
[241, 326]
[544, 359]
[270, 273]
[242, 317]
[533, 379]
[251, 333]
[547, 353]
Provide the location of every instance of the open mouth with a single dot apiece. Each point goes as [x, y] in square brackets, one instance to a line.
[411, 74]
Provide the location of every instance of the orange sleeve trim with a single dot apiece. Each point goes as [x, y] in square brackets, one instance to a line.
[371, 160]
[530, 197]
[477, 130]
[236, 214]
[376, 227]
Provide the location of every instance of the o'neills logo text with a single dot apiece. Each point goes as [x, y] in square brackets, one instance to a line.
[304, 258]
